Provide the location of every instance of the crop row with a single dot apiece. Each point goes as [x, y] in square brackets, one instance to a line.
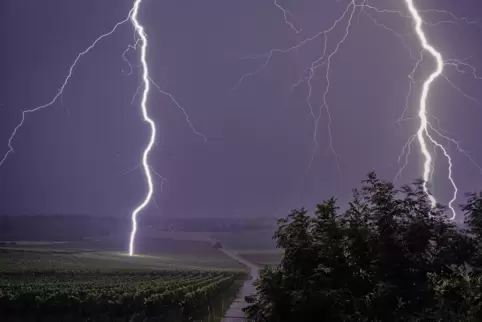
[101, 279]
[97, 275]
[113, 296]
[81, 289]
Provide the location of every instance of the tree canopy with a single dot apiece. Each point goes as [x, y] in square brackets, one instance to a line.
[390, 256]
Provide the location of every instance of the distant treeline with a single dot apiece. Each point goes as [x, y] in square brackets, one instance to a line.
[56, 227]
[77, 227]
[209, 224]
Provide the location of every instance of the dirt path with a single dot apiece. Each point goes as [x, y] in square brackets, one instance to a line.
[235, 313]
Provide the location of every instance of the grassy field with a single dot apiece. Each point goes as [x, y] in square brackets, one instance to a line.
[255, 239]
[75, 280]
[107, 254]
[269, 257]
[256, 246]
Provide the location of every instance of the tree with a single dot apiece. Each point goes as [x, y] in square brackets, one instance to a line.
[390, 256]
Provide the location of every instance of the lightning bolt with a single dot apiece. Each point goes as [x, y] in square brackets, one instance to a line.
[141, 42]
[145, 155]
[422, 112]
[423, 132]
[426, 133]
[287, 14]
[60, 91]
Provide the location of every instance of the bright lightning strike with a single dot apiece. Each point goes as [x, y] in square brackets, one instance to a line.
[145, 155]
[422, 112]
[426, 131]
[141, 42]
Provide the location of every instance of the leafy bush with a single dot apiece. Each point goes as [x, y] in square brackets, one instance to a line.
[389, 256]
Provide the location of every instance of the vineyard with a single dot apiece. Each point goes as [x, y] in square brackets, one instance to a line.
[75, 285]
[154, 293]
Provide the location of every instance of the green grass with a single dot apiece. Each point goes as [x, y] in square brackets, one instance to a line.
[43, 260]
[257, 246]
[255, 239]
[262, 257]
[92, 255]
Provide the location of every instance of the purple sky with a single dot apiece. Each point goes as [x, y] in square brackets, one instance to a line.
[73, 156]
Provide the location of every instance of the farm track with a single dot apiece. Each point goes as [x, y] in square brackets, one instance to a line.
[235, 313]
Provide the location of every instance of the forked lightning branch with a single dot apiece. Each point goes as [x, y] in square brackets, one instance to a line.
[427, 132]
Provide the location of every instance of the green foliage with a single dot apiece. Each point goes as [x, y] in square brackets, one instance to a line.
[121, 294]
[389, 256]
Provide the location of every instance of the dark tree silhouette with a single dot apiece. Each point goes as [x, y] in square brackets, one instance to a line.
[389, 257]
